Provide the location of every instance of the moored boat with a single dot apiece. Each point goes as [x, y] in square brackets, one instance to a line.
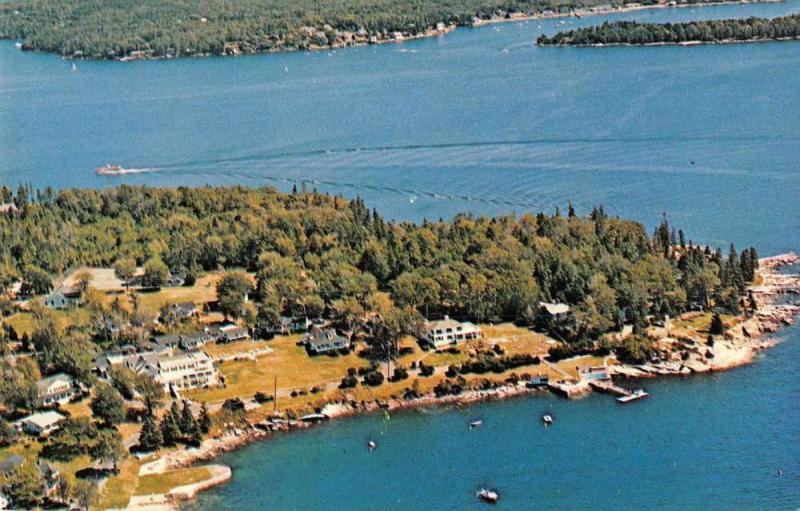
[487, 495]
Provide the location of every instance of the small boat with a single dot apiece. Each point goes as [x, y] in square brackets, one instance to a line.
[475, 424]
[109, 170]
[74, 67]
[636, 395]
[18, 45]
[547, 419]
[412, 199]
[487, 495]
[371, 445]
[314, 418]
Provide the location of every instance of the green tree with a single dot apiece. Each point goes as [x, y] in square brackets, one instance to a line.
[717, 327]
[150, 438]
[125, 269]
[170, 431]
[205, 420]
[187, 422]
[108, 447]
[86, 493]
[24, 485]
[156, 273]
[232, 291]
[107, 404]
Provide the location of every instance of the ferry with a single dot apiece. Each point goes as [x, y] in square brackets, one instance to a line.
[489, 496]
[636, 395]
[109, 170]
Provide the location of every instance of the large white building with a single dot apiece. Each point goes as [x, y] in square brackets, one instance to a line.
[56, 389]
[449, 331]
[183, 370]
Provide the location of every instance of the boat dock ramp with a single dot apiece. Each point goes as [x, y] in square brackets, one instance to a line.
[623, 395]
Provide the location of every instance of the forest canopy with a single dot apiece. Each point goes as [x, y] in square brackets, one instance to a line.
[310, 250]
[175, 28]
[632, 32]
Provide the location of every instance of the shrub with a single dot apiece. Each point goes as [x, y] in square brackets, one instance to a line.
[261, 398]
[400, 373]
[348, 382]
[373, 378]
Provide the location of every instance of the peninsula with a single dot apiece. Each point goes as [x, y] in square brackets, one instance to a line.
[130, 30]
[146, 329]
[694, 32]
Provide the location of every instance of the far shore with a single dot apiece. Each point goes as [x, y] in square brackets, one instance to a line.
[740, 345]
[682, 43]
[436, 31]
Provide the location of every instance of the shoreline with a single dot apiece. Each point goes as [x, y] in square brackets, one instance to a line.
[683, 43]
[352, 39]
[738, 346]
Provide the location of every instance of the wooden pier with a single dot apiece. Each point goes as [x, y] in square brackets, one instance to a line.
[624, 396]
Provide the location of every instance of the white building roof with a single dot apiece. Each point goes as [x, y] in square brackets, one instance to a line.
[555, 308]
[43, 420]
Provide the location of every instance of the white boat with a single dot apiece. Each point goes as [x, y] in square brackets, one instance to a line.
[371, 445]
[18, 45]
[74, 67]
[547, 419]
[109, 170]
[475, 424]
[636, 395]
[487, 495]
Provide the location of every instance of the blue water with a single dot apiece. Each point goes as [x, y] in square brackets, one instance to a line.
[455, 122]
[483, 121]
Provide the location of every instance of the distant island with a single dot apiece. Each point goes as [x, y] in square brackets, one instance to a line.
[694, 32]
[130, 30]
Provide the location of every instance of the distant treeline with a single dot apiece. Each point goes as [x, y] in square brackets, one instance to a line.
[175, 28]
[632, 32]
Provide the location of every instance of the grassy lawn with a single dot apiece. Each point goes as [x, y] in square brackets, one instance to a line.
[693, 323]
[236, 348]
[23, 322]
[294, 368]
[79, 409]
[204, 290]
[162, 483]
[118, 490]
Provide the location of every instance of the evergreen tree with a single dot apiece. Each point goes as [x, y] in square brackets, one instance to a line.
[150, 439]
[717, 326]
[170, 431]
[187, 422]
[205, 420]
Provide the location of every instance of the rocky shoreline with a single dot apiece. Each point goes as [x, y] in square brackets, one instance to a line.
[739, 345]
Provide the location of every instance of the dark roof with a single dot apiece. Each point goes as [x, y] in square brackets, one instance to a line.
[167, 340]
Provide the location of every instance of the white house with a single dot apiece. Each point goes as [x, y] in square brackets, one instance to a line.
[64, 298]
[56, 389]
[184, 370]
[40, 424]
[558, 312]
[449, 331]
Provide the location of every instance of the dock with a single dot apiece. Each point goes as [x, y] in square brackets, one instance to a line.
[623, 395]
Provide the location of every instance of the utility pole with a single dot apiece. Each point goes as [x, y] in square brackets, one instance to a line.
[275, 396]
